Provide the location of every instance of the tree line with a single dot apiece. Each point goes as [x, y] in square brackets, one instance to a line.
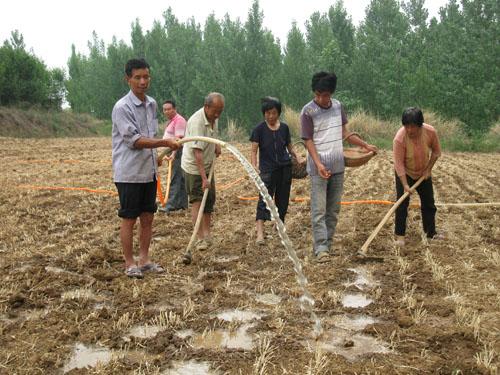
[395, 58]
[24, 78]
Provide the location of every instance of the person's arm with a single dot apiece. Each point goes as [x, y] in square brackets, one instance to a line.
[356, 140]
[298, 157]
[198, 155]
[428, 169]
[144, 142]
[404, 182]
[313, 153]
[253, 156]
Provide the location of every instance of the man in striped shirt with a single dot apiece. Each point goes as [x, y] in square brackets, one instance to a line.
[323, 128]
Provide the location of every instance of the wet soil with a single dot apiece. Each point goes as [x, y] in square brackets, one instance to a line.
[431, 307]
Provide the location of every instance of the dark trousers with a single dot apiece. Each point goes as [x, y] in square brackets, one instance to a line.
[427, 207]
[177, 198]
[278, 183]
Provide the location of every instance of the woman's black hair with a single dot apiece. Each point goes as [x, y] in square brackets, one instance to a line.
[413, 115]
[269, 103]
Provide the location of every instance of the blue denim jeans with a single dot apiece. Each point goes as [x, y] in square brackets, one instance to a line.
[326, 195]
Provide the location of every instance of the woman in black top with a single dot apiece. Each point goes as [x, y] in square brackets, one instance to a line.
[272, 139]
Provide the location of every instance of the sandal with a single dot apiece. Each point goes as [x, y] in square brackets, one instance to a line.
[153, 267]
[202, 245]
[134, 272]
[323, 257]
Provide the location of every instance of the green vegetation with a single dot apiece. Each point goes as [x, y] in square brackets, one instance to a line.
[397, 57]
[25, 79]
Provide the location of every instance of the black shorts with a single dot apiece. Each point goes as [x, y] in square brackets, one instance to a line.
[136, 198]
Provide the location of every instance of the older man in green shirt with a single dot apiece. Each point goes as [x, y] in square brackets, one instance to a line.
[197, 160]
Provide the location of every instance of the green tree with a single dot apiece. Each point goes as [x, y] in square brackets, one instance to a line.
[25, 77]
[261, 71]
[296, 87]
[138, 40]
[381, 59]
[343, 30]
[56, 90]
[319, 35]
[183, 42]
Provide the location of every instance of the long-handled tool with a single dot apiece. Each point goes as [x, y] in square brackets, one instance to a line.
[158, 184]
[167, 193]
[361, 254]
[186, 259]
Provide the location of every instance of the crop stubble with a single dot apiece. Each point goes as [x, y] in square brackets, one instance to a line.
[436, 303]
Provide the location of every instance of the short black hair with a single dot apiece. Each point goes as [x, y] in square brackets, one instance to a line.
[269, 103]
[134, 64]
[413, 115]
[170, 101]
[324, 81]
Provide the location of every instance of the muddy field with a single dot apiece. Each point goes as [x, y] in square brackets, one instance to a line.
[66, 306]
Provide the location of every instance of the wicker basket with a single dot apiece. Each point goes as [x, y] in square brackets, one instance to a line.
[298, 172]
[355, 157]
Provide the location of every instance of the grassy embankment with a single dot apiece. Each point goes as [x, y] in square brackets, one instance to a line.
[40, 123]
[36, 122]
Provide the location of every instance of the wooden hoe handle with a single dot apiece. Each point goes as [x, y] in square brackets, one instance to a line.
[200, 212]
[362, 252]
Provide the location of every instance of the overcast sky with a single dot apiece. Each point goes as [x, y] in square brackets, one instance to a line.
[50, 27]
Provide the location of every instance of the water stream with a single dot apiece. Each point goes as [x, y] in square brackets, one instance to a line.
[306, 301]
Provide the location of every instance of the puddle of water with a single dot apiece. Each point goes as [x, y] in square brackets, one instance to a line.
[243, 316]
[23, 315]
[268, 299]
[184, 333]
[102, 305]
[138, 355]
[364, 279]
[351, 346]
[355, 300]
[162, 307]
[189, 368]
[144, 331]
[354, 323]
[84, 356]
[223, 338]
[54, 269]
[82, 294]
[226, 259]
